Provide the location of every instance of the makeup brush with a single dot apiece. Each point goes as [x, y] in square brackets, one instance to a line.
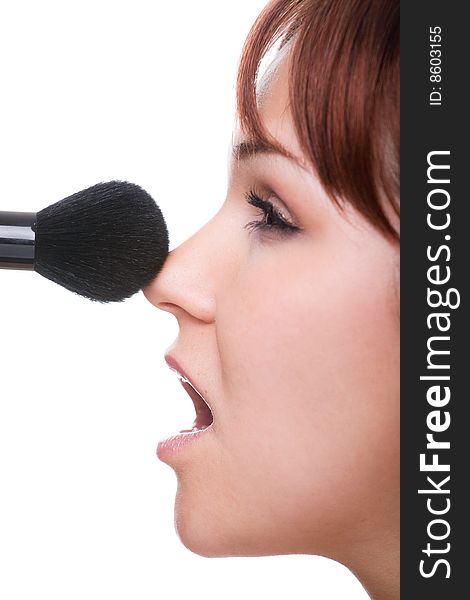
[104, 243]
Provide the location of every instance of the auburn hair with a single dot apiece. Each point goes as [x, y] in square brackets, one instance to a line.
[344, 90]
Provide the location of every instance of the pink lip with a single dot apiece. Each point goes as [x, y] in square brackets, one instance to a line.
[175, 443]
[174, 364]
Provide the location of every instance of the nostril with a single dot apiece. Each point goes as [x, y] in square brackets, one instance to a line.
[168, 306]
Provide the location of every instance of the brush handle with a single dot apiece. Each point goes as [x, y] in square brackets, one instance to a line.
[17, 240]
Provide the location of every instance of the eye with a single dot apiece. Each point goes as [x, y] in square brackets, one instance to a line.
[272, 218]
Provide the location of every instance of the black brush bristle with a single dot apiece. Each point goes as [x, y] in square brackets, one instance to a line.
[105, 243]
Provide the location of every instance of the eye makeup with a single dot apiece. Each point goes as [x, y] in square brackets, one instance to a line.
[271, 217]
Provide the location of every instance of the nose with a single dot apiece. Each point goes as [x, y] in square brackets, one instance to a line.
[186, 285]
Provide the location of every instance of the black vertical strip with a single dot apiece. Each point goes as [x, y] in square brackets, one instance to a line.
[424, 129]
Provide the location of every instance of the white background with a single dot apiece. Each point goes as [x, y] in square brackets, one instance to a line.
[92, 91]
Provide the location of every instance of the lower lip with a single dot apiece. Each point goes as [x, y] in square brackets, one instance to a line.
[174, 444]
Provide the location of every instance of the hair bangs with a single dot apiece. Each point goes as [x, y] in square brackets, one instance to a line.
[344, 89]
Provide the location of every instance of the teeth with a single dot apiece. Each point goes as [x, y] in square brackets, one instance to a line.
[204, 416]
[183, 379]
[189, 431]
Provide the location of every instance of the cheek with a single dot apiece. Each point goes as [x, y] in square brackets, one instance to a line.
[311, 358]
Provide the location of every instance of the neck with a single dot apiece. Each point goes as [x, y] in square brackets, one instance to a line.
[376, 564]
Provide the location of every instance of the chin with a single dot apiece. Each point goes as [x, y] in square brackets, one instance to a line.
[212, 533]
[196, 527]
[199, 535]
[200, 538]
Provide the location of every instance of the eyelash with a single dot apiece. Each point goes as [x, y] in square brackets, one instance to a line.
[272, 218]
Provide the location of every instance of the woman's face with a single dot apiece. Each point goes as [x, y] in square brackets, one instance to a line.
[292, 336]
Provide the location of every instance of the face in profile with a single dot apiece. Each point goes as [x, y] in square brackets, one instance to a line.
[287, 306]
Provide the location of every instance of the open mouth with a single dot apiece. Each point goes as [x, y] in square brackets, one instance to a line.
[202, 426]
[204, 416]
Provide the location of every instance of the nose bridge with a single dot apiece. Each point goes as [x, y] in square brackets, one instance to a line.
[187, 280]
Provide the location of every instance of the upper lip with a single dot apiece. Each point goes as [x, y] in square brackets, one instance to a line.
[175, 366]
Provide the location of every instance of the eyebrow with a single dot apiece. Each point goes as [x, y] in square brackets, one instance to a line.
[251, 148]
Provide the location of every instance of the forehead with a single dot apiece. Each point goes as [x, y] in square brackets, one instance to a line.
[272, 86]
[272, 92]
